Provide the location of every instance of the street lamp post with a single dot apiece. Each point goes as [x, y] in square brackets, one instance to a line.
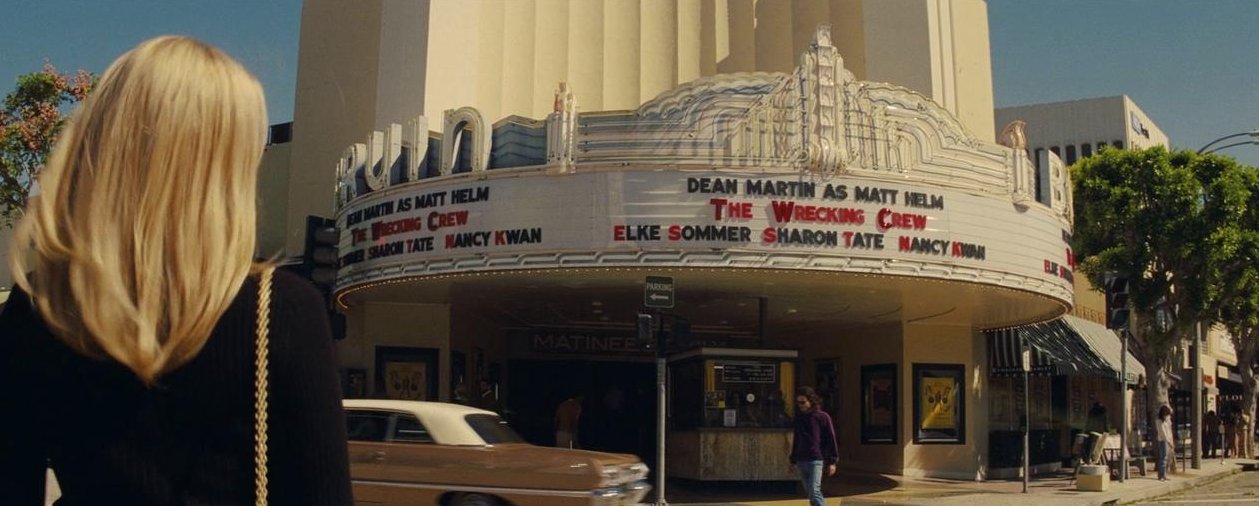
[1254, 139]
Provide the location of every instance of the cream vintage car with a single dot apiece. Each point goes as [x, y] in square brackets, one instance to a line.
[432, 453]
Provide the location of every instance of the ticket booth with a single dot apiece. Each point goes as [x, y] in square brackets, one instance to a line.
[731, 414]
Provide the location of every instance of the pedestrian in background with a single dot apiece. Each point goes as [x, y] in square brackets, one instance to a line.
[1230, 434]
[488, 397]
[567, 422]
[814, 449]
[1166, 440]
[1210, 434]
[128, 345]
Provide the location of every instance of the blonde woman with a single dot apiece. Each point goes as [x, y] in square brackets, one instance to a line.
[127, 350]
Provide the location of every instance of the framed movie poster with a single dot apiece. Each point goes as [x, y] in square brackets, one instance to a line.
[939, 404]
[406, 373]
[878, 404]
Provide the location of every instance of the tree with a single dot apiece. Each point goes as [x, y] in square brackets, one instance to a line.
[1155, 217]
[32, 116]
[1238, 282]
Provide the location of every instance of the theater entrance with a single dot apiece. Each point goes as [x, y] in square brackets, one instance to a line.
[618, 403]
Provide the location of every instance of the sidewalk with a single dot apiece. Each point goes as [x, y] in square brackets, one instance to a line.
[1051, 489]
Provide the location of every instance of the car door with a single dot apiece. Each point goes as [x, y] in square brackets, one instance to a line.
[422, 469]
[368, 450]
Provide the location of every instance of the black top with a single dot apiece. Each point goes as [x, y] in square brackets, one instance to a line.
[187, 440]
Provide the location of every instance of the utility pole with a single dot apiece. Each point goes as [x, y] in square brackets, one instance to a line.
[646, 333]
[1195, 418]
[1117, 319]
[658, 294]
[1123, 399]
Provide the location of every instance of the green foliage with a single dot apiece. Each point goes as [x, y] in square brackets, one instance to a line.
[32, 116]
[1173, 223]
[1235, 282]
[1184, 229]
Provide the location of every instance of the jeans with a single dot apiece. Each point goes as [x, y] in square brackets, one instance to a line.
[1163, 451]
[565, 439]
[811, 477]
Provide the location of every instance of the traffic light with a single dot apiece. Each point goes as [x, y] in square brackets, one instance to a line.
[645, 332]
[320, 262]
[321, 259]
[1116, 301]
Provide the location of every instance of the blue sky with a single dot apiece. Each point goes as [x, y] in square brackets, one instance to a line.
[90, 34]
[1192, 65]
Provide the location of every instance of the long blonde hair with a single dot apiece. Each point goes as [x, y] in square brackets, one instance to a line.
[143, 228]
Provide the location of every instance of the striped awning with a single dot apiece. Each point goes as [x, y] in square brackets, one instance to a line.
[1106, 345]
[1004, 359]
[1066, 346]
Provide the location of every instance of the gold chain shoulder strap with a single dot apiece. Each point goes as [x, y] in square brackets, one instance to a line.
[260, 387]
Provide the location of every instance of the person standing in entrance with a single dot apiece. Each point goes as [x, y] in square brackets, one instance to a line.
[567, 420]
[488, 399]
[1166, 440]
[814, 448]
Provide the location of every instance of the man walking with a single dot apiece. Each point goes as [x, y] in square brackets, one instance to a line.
[814, 448]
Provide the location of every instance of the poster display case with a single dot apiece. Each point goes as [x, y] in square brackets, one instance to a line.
[731, 414]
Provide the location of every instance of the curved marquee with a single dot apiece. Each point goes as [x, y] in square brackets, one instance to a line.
[744, 219]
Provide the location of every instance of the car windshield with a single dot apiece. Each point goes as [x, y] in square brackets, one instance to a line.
[493, 430]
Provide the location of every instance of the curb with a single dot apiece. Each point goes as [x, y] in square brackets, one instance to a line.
[1174, 488]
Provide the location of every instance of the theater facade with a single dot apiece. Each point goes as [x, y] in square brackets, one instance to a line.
[816, 230]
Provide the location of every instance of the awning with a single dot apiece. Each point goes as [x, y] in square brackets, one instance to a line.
[1004, 357]
[1106, 343]
[1066, 346]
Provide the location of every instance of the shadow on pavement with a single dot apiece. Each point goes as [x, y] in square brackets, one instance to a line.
[733, 492]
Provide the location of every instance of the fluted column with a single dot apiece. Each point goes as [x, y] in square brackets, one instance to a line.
[658, 48]
[585, 53]
[621, 52]
[519, 39]
[489, 55]
[551, 50]
[688, 40]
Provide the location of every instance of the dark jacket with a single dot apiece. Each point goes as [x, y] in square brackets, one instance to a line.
[814, 438]
[187, 440]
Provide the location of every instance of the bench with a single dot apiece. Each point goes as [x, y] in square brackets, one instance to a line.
[1112, 458]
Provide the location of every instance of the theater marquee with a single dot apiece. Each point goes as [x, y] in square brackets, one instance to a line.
[403, 228]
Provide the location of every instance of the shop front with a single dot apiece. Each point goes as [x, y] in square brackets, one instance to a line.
[1074, 387]
[818, 231]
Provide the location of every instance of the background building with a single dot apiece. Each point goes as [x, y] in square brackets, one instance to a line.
[364, 65]
[1076, 129]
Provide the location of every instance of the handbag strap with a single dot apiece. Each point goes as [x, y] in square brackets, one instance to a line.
[260, 387]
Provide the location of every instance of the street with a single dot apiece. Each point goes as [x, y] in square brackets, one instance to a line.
[1240, 488]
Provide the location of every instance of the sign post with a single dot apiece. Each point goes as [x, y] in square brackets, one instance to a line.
[1027, 450]
[658, 294]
